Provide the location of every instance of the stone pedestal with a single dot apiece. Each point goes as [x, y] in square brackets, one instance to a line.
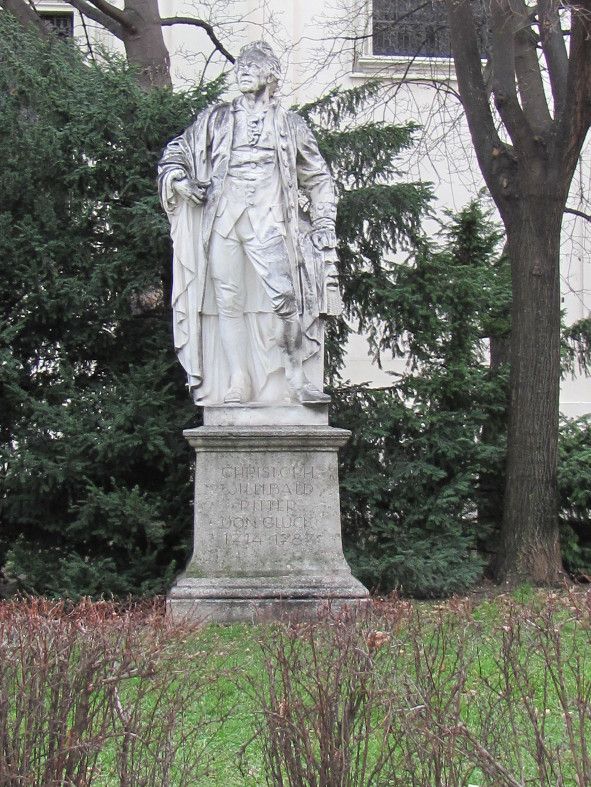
[267, 519]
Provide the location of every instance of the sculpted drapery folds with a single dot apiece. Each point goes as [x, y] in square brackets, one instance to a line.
[253, 272]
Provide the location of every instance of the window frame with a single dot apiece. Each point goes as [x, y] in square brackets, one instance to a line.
[407, 16]
[48, 13]
[422, 67]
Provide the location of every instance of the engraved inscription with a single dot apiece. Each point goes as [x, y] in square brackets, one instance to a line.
[251, 472]
[279, 539]
[268, 506]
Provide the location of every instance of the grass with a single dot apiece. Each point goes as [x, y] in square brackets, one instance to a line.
[502, 675]
[232, 653]
[496, 692]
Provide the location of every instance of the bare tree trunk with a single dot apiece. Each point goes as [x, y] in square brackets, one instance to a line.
[144, 43]
[529, 181]
[530, 539]
[26, 15]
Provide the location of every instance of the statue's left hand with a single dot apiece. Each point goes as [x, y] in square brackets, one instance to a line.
[324, 238]
[193, 191]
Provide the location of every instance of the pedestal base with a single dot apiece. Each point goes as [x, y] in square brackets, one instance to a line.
[267, 523]
[260, 599]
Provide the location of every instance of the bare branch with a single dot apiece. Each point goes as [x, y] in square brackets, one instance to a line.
[188, 20]
[87, 37]
[205, 67]
[503, 26]
[576, 119]
[529, 76]
[89, 10]
[579, 213]
[114, 13]
[471, 83]
[554, 48]
[438, 85]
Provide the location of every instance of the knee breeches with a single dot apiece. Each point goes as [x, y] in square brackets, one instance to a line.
[228, 257]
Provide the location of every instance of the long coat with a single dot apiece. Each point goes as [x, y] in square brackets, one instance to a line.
[202, 153]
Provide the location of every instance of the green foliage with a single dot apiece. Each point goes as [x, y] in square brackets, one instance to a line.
[413, 475]
[574, 462]
[576, 347]
[574, 486]
[95, 489]
[414, 497]
[378, 214]
[339, 106]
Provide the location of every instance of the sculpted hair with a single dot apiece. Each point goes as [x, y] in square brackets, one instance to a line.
[262, 49]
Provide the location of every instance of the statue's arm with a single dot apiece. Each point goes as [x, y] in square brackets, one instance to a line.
[315, 179]
[173, 167]
[177, 176]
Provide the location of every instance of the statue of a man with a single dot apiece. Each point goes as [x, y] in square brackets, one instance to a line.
[253, 271]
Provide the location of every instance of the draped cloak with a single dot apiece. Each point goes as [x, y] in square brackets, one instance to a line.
[202, 153]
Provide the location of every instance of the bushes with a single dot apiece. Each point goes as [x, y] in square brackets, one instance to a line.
[436, 697]
[399, 694]
[89, 693]
[424, 467]
[574, 485]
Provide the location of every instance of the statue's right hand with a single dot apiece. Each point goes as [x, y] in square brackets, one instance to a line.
[191, 190]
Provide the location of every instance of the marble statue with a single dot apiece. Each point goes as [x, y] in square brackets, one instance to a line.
[252, 210]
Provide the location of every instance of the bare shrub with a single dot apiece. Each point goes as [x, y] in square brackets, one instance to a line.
[430, 696]
[91, 692]
[326, 713]
[533, 713]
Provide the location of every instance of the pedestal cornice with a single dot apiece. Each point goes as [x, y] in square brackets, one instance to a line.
[267, 438]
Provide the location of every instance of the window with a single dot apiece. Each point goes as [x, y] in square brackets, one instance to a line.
[417, 28]
[61, 22]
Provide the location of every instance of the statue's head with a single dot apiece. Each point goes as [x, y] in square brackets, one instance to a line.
[257, 66]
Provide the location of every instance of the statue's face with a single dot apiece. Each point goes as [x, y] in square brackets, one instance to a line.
[252, 73]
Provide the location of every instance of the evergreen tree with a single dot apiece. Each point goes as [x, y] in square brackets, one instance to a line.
[574, 485]
[379, 214]
[574, 460]
[419, 510]
[95, 476]
[416, 513]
